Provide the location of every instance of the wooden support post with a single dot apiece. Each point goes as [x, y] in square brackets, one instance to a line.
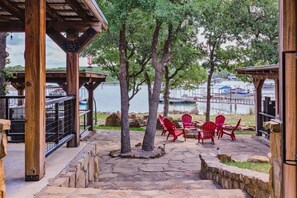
[277, 104]
[258, 83]
[35, 89]
[91, 106]
[288, 42]
[91, 87]
[4, 125]
[72, 69]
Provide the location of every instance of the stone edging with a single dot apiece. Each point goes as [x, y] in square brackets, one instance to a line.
[81, 170]
[254, 183]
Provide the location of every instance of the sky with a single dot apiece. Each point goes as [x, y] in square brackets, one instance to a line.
[55, 57]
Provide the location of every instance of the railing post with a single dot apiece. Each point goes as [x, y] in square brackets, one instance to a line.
[275, 173]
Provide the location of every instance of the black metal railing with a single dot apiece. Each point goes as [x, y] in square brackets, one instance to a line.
[59, 122]
[59, 119]
[84, 120]
[264, 117]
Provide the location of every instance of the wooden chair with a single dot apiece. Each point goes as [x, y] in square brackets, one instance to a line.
[161, 120]
[207, 132]
[187, 121]
[219, 121]
[172, 130]
[231, 134]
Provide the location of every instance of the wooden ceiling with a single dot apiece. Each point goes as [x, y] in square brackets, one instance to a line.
[78, 15]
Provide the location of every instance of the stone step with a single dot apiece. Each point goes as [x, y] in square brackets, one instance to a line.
[155, 185]
[53, 192]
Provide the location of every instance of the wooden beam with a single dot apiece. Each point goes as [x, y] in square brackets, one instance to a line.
[77, 7]
[86, 38]
[35, 89]
[72, 72]
[13, 9]
[96, 12]
[288, 99]
[57, 37]
[74, 25]
[16, 26]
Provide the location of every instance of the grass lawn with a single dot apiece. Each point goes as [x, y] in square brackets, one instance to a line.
[118, 128]
[231, 119]
[246, 119]
[260, 167]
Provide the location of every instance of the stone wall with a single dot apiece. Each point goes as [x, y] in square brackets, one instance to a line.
[81, 170]
[254, 183]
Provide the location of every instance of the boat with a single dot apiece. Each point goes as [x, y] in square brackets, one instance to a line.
[83, 102]
[235, 91]
[183, 100]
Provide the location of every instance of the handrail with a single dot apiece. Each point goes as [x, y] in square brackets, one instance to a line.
[266, 115]
[59, 100]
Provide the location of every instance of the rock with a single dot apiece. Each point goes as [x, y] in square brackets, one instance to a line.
[258, 159]
[224, 157]
[194, 111]
[132, 116]
[137, 122]
[137, 145]
[113, 120]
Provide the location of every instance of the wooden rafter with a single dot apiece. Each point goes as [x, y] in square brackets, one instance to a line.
[12, 9]
[79, 10]
[53, 14]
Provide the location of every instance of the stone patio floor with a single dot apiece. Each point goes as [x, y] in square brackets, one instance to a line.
[178, 169]
[180, 161]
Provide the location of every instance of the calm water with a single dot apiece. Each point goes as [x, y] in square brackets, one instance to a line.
[107, 97]
[108, 100]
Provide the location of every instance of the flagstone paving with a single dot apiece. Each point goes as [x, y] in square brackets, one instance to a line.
[176, 172]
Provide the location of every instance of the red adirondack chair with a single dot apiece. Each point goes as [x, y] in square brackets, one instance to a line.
[207, 132]
[172, 130]
[164, 129]
[231, 134]
[187, 121]
[219, 121]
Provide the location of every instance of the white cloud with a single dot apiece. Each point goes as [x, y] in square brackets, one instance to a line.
[55, 57]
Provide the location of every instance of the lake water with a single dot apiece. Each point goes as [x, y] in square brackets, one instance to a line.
[107, 98]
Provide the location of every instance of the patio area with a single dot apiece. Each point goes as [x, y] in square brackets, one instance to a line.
[175, 174]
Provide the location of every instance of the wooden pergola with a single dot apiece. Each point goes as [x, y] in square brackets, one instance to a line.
[87, 78]
[81, 21]
[259, 75]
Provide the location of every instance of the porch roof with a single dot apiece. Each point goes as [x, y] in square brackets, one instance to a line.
[78, 15]
[261, 72]
[60, 76]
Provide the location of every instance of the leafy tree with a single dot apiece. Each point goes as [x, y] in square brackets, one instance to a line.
[182, 70]
[214, 24]
[123, 51]
[171, 21]
[256, 30]
[236, 34]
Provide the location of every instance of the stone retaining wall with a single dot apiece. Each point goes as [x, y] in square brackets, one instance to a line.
[81, 170]
[254, 183]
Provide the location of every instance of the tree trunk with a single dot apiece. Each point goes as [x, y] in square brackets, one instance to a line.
[3, 57]
[166, 92]
[208, 93]
[149, 137]
[123, 78]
